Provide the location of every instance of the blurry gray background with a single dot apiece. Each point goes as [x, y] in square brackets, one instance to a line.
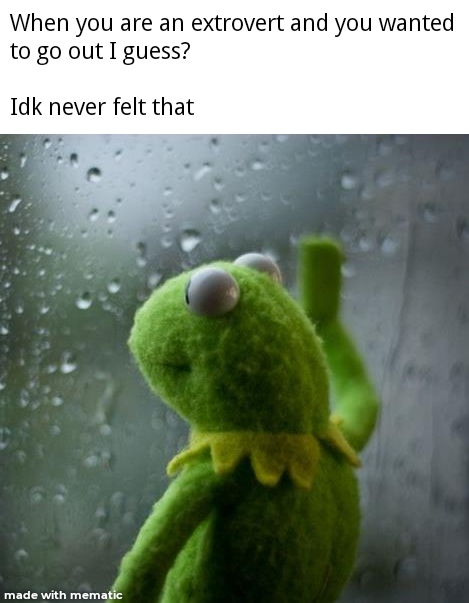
[89, 225]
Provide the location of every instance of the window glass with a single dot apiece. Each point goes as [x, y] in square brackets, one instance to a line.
[90, 225]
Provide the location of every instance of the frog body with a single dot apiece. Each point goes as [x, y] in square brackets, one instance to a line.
[253, 546]
[265, 504]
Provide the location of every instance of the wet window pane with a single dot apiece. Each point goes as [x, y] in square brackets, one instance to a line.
[90, 225]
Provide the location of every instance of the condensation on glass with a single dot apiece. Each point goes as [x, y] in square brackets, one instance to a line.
[90, 225]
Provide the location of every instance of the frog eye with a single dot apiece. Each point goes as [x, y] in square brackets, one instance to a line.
[211, 292]
[262, 263]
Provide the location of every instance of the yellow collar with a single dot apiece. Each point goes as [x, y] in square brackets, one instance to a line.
[271, 454]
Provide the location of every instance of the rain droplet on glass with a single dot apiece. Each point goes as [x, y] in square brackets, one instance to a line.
[14, 204]
[114, 285]
[348, 181]
[68, 364]
[215, 206]
[154, 280]
[203, 171]
[257, 165]
[94, 175]
[93, 215]
[189, 239]
[389, 246]
[84, 301]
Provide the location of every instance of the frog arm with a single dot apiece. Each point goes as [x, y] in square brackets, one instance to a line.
[357, 402]
[185, 504]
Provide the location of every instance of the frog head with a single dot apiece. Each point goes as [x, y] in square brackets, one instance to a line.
[229, 349]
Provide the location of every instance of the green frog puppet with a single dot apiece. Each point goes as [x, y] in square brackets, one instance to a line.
[264, 506]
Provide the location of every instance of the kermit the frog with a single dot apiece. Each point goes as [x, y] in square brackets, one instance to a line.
[265, 505]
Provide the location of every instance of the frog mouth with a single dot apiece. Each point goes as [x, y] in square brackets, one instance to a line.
[175, 366]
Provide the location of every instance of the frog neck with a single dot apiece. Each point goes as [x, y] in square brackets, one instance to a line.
[264, 414]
